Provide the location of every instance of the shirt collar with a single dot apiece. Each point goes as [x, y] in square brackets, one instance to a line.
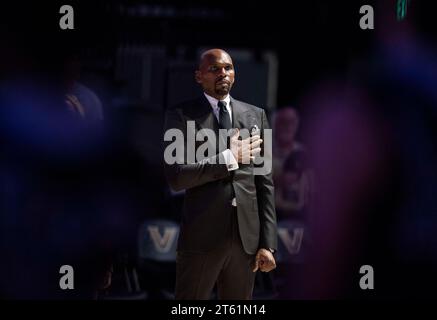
[213, 101]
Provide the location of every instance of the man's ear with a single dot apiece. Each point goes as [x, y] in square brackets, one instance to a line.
[197, 76]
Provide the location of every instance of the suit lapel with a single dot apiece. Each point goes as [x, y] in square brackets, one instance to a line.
[239, 111]
[204, 116]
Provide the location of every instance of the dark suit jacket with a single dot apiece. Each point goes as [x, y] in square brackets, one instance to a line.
[210, 187]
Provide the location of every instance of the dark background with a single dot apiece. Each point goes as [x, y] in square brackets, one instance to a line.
[96, 189]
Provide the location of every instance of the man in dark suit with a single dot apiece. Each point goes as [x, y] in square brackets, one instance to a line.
[228, 228]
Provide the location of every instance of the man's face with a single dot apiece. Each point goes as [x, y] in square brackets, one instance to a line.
[216, 73]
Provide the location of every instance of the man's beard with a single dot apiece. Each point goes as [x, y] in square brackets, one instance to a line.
[222, 90]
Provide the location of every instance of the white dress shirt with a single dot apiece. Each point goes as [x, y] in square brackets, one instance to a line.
[213, 102]
[231, 162]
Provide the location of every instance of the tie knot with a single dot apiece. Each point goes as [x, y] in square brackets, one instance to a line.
[222, 105]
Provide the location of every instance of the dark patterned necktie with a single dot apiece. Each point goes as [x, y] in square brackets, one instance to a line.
[224, 118]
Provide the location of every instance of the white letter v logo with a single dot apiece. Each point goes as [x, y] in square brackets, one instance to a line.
[162, 244]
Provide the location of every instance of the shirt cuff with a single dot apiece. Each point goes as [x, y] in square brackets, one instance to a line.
[231, 163]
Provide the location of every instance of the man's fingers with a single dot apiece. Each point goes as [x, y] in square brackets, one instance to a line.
[248, 155]
[256, 151]
[266, 261]
[235, 133]
[256, 144]
[266, 268]
[248, 149]
[256, 265]
[257, 262]
[250, 152]
[247, 141]
[267, 265]
[254, 138]
[251, 144]
[271, 266]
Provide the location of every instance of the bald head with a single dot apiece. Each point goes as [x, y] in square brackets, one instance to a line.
[212, 54]
[215, 73]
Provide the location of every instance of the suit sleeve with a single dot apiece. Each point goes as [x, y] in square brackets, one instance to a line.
[182, 175]
[266, 197]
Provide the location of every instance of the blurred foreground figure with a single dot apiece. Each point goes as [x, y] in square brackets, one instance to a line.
[372, 143]
[62, 199]
[292, 177]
